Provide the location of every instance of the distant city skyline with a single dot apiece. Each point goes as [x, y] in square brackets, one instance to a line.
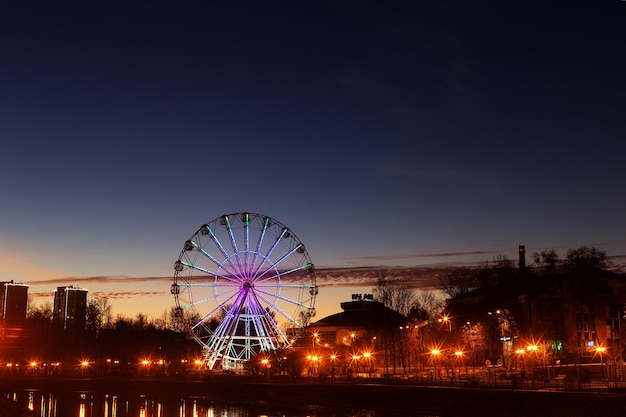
[403, 134]
[336, 284]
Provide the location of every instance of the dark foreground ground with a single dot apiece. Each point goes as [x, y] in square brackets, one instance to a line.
[400, 399]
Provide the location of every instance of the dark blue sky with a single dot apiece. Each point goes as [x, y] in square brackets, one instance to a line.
[380, 132]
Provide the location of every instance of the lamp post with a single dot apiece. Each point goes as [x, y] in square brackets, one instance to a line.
[314, 363]
[266, 364]
[533, 349]
[600, 350]
[519, 356]
[445, 320]
[434, 354]
[333, 362]
[367, 356]
[459, 360]
[84, 364]
[355, 360]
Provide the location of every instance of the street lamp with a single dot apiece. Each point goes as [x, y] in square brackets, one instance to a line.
[459, 360]
[434, 354]
[445, 320]
[84, 364]
[519, 355]
[314, 359]
[600, 350]
[368, 357]
[333, 362]
[266, 363]
[533, 349]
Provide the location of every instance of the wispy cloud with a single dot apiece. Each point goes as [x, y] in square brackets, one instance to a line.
[418, 277]
[115, 295]
[417, 255]
[414, 277]
[99, 280]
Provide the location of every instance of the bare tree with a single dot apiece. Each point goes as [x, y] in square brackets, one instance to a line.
[106, 311]
[94, 317]
[141, 321]
[475, 338]
[428, 305]
[546, 261]
[382, 292]
[585, 258]
[458, 282]
[41, 313]
[397, 297]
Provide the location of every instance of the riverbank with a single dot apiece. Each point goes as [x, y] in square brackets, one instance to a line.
[402, 399]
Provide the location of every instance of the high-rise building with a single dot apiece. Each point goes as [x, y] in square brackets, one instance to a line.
[13, 302]
[70, 309]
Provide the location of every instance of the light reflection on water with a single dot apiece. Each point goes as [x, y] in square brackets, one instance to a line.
[83, 404]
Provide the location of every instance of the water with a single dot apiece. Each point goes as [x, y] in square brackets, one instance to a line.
[85, 404]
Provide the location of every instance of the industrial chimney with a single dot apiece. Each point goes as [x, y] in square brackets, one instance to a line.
[522, 256]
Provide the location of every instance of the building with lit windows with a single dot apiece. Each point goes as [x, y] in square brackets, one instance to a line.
[13, 302]
[359, 340]
[70, 309]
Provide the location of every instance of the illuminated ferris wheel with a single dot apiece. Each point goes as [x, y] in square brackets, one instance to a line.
[244, 284]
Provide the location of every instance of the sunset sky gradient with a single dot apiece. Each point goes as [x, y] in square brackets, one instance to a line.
[384, 134]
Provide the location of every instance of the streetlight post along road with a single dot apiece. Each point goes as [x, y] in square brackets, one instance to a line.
[519, 355]
[600, 350]
[459, 358]
[445, 320]
[435, 354]
[533, 349]
[314, 363]
[266, 363]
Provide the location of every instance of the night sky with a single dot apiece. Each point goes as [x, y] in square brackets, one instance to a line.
[400, 133]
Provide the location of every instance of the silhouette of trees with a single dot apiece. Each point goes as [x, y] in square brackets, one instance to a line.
[546, 262]
[585, 258]
[458, 282]
[496, 297]
[396, 297]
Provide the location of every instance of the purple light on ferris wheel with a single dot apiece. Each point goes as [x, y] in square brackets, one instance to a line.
[230, 282]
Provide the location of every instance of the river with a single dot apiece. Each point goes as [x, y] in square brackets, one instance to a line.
[210, 396]
[86, 404]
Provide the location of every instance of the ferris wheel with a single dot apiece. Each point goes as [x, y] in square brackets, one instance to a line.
[244, 284]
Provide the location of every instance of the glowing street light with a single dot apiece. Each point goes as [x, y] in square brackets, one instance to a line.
[266, 363]
[434, 354]
[445, 320]
[600, 350]
[84, 366]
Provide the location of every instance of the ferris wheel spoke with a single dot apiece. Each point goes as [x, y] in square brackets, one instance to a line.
[246, 239]
[221, 248]
[282, 313]
[220, 271]
[283, 285]
[204, 300]
[228, 327]
[282, 297]
[217, 308]
[267, 331]
[233, 243]
[274, 265]
[280, 237]
[215, 261]
[265, 325]
[209, 285]
[206, 271]
[282, 274]
[266, 223]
